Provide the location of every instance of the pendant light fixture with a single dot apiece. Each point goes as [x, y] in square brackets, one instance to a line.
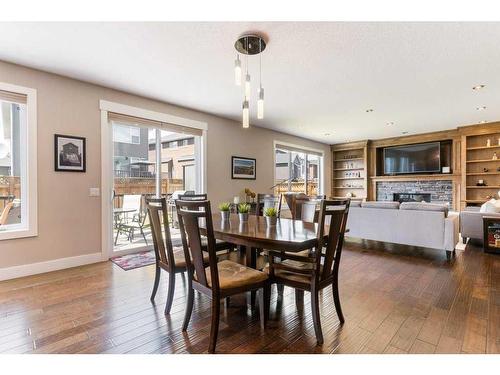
[249, 45]
[237, 70]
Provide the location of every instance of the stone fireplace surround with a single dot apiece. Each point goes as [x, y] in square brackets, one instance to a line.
[441, 191]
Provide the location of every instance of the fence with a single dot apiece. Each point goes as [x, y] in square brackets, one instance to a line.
[143, 186]
[298, 187]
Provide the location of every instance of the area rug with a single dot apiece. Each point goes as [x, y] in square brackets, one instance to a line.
[136, 260]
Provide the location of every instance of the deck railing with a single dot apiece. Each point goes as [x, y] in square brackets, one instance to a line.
[144, 186]
[297, 187]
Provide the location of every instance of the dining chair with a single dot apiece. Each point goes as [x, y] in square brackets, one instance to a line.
[168, 257]
[309, 212]
[193, 197]
[298, 200]
[220, 279]
[318, 269]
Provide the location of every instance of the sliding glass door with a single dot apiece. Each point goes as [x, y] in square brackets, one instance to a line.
[148, 161]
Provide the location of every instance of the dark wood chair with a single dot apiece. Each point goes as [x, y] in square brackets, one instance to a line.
[318, 269]
[168, 258]
[297, 201]
[220, 279]
[268, 200]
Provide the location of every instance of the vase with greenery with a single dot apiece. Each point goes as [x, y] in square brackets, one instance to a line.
[243, 210]
[224, 208]
[271, 215]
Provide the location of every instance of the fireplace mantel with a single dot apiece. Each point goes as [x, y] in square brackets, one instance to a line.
[417, 177]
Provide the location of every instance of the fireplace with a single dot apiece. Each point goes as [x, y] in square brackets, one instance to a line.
[412, 197]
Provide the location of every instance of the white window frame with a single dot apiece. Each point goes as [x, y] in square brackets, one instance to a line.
[304, 149]
[29, 193]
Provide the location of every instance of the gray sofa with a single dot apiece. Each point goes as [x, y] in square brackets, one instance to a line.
[415, 224]
[471, 223]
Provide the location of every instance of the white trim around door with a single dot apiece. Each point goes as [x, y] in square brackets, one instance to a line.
[107, 162]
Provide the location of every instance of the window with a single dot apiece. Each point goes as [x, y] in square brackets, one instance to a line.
[17, 162]
[127, 134]
[297, 170]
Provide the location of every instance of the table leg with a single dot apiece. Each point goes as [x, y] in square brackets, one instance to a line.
[251, 261]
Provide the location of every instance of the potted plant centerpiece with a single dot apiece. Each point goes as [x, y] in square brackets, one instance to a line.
[271, 215]
[243, 210]
[224, 208]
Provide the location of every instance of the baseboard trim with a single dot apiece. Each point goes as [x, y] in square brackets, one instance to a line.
[15, 272]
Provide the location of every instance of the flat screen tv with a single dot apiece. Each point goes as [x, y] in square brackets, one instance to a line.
[416, 158]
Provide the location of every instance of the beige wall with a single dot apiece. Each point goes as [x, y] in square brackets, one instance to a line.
[69, 221]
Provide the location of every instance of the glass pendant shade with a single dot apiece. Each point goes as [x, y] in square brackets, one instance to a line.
[246, 114]
[260, 104]
[237, 71]
[247, 86]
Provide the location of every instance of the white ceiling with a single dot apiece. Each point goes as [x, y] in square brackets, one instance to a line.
[318, 77]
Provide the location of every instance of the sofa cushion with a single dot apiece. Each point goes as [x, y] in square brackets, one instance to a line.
[387, 205]
[424, 206]
[492, 206]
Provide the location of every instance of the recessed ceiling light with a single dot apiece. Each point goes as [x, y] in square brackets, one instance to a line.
[478, 87]
[404, 132]
[327, 134]
[481, 108]
[390, 123]
[369, 110]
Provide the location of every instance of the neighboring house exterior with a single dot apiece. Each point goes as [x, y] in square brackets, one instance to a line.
[177, 158]
[298, 167]
[130, 146]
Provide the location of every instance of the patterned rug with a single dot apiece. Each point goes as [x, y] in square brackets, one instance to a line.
[136, 260]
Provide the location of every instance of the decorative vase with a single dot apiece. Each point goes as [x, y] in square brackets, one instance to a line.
[495, 156]
[271, 220]
[243, 216]
[225, 215]
[488, 143]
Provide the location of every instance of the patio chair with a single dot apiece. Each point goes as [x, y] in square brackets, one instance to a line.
[137, 222]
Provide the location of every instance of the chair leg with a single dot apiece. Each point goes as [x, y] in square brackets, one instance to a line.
[189, 307]
[267, 301]
[144, 236]
[170, 293]
[464, 240]
[117, 234]
[227, 302]
[214, 328]
[299, 299]
[336, 301]
[262, 308]
[157, 282]
[316, 316]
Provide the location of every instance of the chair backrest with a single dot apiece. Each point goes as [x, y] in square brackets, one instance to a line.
[308, 212]
[336, 211]
[265, 201]
[132, 202]
[5, 213]
[193, 197]
[190, 214]
[157, 211]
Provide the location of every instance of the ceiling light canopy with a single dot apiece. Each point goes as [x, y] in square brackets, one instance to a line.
[249, 45]
[478, 87]
[482, 108]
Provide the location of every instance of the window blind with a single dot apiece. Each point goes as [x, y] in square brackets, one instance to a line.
[13, 97]
[131, 120]
[285, 147]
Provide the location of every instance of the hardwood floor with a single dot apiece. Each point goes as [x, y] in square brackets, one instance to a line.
[395, 300]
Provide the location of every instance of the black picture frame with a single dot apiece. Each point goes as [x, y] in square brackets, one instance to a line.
[246, 163]
[74, 159]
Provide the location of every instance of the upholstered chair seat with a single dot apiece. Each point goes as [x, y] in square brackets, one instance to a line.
[289, 274]
[234, 275]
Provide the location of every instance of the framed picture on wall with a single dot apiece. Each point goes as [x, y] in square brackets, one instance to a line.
[69, 153]
[243, 168]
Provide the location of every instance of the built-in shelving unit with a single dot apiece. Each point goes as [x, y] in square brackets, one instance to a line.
[481, 163]
[349, 177]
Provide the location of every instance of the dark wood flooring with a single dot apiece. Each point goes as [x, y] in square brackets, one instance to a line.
[395, 300]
